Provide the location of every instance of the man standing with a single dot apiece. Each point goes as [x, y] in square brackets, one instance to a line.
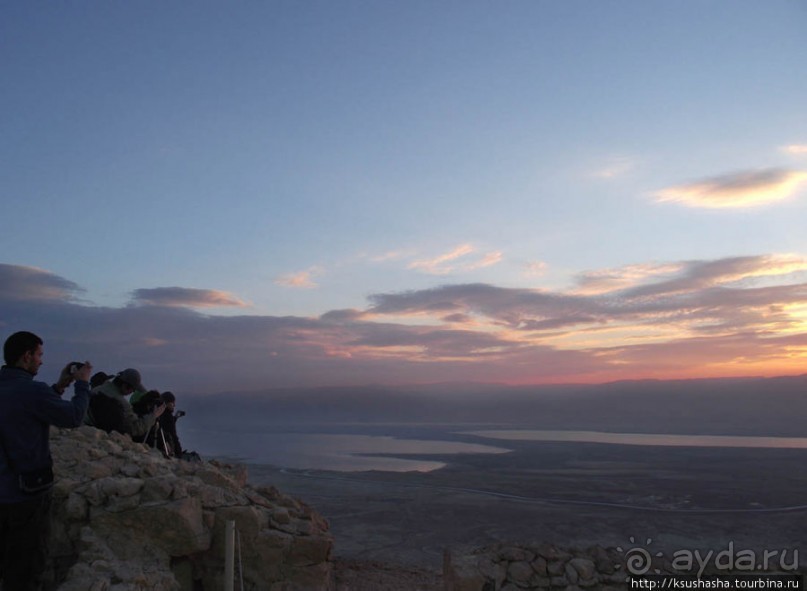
[27, 410]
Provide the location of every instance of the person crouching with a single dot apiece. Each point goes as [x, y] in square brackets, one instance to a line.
[111, 411]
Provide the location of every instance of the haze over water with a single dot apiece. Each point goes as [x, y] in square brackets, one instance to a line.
[644, 439]
[341, 428]
[328, 451]
[357, 451]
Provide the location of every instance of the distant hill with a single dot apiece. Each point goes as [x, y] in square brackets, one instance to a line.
[737, 406]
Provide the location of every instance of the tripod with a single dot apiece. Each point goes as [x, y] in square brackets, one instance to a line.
[156, 436]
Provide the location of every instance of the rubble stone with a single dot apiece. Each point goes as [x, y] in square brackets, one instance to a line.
[127, 519]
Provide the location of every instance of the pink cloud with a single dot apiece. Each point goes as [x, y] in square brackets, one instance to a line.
[607, 280]
[299, 280]
[456, 260]
[439, 265]
[684, 319]
[184, 296]
[490, 259]
[615, 167]
[737, 190]
[535, 268]
[795, 149]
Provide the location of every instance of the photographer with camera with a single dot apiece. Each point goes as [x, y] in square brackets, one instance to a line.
[168, 424]
[111, 411]
[163, 434]
[27, 410]
[144, 403]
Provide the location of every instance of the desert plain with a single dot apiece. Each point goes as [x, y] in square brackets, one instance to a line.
[663, 499]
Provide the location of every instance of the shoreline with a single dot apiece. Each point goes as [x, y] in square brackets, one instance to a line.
[680, 498]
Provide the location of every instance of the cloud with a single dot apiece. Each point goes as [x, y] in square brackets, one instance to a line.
[737, 190]
[450, 262]
[795, 149]
[607, 280]
[535, 268]
[703, 275]
[430, 343]
[685, 298]
[660, 319]
[29, 283]
[509, 307]
[392, 255]
[299, 280]
[457, 319]
[615, 167]
[438, 265]
[660, 278]
[184, 296]
[342, 315]
[490, 259]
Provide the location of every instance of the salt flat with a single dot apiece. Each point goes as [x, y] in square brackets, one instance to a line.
[577, 494]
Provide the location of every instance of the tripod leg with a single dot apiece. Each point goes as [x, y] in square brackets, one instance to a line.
[166, 452]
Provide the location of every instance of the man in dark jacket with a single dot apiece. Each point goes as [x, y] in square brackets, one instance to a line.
[27, 410]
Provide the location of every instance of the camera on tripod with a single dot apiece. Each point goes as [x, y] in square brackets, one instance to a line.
[147, 403]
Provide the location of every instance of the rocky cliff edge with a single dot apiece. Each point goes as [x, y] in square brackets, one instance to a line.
[127, 519]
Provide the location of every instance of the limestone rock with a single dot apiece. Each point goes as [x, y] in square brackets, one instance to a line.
[515, 567]
[127, 519]
[520, 572]
[584, 568]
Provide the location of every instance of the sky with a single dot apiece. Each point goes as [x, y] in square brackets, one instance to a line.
[280, 194]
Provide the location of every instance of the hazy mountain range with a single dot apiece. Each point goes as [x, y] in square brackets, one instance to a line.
[743, 406]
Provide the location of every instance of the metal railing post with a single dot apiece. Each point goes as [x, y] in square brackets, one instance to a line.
[229, 555]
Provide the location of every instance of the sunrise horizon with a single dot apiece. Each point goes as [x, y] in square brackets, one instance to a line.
[343, 193]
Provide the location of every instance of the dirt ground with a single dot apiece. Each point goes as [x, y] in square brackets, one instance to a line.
[356, 575]
[392, 527]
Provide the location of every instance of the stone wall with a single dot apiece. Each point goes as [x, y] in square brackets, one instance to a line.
[127, 519]
[538, 566]
[543, 567]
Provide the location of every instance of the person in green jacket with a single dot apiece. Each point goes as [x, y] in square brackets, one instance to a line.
[111, 411]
